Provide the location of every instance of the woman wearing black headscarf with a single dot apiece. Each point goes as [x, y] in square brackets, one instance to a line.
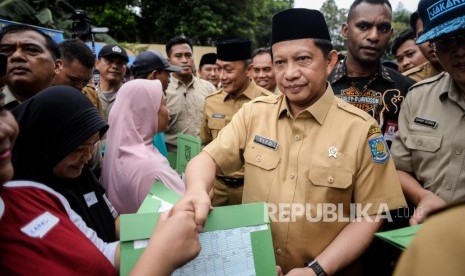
[59, 127]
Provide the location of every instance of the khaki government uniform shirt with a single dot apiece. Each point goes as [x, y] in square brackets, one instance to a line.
[430, 141]
[437, 248]
[185, 104]
[421, 72]
[219, 109]
[321, 156]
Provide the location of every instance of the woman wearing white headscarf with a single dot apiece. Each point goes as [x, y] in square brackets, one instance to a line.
[132, 164]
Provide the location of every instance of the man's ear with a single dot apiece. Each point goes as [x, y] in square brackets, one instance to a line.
[97, 63]
[344, 30]
[58, 66]
[332, 61]
[153, 75]
[249, 70]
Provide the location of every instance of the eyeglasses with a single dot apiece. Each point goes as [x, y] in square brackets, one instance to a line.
[450, 42]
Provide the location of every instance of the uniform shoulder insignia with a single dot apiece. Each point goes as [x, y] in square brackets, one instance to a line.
[379, 149]
[352, 109]
[214, 93]
[374, 130]
[428, 80]
[267, 99]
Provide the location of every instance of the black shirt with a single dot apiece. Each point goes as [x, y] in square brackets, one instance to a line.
[380, 95]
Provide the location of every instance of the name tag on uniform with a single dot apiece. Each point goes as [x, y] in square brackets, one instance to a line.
[265, 142]
[90, 199]
[40, 226]
[426, 122]
[218, 116]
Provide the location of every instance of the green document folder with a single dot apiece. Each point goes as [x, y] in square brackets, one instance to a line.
[400, 238]
[232, 233]
[158, 195]
[188, 147]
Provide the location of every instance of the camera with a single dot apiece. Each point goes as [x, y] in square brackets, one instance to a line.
[81, 27]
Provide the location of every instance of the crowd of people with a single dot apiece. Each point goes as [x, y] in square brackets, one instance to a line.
[293, 124]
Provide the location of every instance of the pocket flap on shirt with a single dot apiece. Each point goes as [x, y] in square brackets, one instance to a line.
[262, 157]
[423, 142]
[216, 123]
[329, 177]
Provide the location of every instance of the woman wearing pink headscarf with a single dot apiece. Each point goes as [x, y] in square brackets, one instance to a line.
[132, 164]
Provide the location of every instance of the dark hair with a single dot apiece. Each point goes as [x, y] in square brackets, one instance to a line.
[177, 40]
[141, 75]
[414, 17]
[74, 49]
[401, 39]
[325, 46]
[374, 2]
[259, 51]
[20, 28]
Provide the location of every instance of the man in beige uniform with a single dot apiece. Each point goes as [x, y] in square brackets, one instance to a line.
[430, 68]
[429, 149]
[262, 70]
[303, 149]
[233, 62]
[185, 95]
[438, 247]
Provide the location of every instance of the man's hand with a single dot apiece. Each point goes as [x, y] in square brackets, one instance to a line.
[428, 203]
[174, 242]
[197, 202]
[177, 238]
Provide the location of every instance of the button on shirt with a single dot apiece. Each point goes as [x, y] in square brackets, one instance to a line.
[293, 173]
[185, 104]
[431, 137]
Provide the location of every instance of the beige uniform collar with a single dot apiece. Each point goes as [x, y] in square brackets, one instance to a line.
[318, 110]
[450, 90]
[250, 92]
[178, 82]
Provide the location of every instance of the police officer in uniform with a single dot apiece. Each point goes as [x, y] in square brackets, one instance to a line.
[429, 149]
[233, 61]
[303, 148]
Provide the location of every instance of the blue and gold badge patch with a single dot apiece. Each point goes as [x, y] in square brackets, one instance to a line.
[379, 149]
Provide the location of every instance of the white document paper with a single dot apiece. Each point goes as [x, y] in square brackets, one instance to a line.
[164, 206]
[224, 252]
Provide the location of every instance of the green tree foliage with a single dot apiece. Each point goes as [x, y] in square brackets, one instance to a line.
[400, 20]
[334, 17]
[206, 21]
[149, 21]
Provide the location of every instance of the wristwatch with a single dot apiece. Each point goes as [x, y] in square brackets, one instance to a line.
[315, 266]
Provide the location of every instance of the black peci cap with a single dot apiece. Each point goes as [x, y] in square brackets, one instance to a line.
[209, 58]
[294, 24]
[234, 49]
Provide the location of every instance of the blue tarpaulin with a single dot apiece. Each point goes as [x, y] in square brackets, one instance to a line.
[56, 35]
